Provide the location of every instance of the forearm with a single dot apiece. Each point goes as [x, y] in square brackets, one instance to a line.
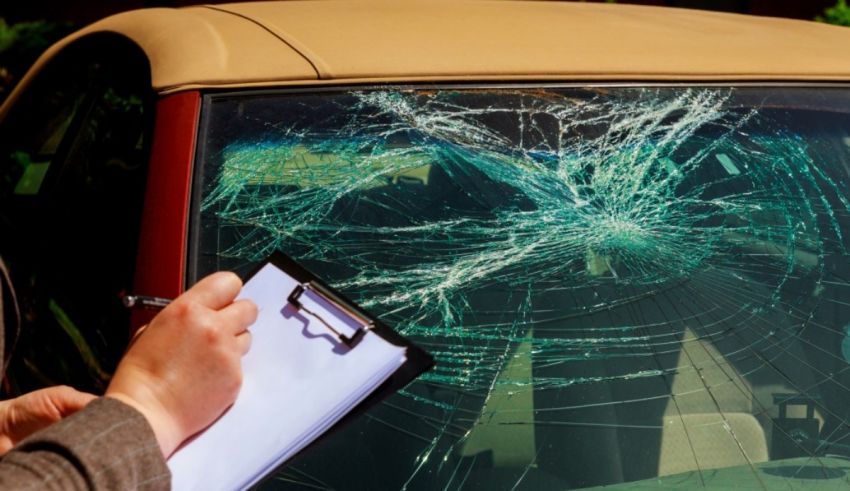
[107, 445]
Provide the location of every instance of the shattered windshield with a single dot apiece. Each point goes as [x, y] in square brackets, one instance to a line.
[638, 287]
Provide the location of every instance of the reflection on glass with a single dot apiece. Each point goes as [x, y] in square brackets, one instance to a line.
[639, 287]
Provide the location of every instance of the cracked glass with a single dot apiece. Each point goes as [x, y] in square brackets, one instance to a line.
[634, 287]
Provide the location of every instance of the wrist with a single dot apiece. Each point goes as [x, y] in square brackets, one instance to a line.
[165, 430]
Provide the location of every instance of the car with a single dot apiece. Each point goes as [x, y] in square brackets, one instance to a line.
[622, 231]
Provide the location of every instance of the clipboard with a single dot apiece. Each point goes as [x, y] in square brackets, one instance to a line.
[311, 316]
[418, 360]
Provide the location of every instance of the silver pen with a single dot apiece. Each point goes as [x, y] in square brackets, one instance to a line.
[145, 302]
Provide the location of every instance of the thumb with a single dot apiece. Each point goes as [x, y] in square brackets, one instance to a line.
[68, 400]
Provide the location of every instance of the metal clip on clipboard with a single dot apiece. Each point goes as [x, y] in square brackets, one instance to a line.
[325, 294]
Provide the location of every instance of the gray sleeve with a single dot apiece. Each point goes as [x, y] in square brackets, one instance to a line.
[107, 445]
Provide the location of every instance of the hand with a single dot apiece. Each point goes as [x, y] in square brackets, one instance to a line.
[185, 369]
[22, 416]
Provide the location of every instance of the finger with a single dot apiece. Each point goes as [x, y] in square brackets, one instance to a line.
[236, 317]
[136, 336]
[243, 342]
[138, 333]
[216, 291]
[67, 400]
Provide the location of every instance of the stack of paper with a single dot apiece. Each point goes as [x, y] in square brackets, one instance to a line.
[298, 381]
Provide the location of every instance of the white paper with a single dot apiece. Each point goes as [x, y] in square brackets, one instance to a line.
[298, 381]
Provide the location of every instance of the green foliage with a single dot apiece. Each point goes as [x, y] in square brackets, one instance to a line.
[838, 14]
[7, 35]
[21, 43]
[28, 37]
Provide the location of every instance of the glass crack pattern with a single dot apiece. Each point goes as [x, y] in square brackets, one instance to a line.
[638, 287]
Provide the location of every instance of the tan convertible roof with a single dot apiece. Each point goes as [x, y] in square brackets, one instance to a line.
[346, 41]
